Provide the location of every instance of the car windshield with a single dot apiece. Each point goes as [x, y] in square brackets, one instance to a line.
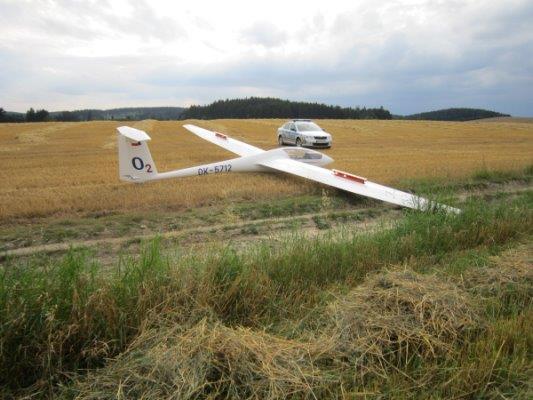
[308, 127]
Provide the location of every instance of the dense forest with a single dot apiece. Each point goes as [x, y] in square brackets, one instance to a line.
[253, 107]
[456, 114]
[266, 107]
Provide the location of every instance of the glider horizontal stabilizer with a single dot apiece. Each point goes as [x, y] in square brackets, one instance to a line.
[135, 135]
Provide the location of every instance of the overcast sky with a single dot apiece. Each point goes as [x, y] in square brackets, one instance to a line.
[409, 56]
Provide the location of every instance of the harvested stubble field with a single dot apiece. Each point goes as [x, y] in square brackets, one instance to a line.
[71, 168]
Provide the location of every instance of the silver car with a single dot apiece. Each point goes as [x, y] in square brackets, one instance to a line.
[303, 132]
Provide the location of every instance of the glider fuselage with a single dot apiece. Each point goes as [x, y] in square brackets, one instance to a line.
[250, 163]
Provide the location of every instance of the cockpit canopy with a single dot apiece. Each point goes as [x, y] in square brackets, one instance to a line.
[307, 156]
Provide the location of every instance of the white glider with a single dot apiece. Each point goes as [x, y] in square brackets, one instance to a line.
[136, 165]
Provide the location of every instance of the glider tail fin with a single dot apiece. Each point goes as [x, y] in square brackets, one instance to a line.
[135, 161]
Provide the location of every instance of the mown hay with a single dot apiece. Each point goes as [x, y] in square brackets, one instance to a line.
[395, 317]
[514, 266]
[381, 325]
[507, 281]
[209, 360]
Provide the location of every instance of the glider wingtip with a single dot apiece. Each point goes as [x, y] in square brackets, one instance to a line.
[190, 127]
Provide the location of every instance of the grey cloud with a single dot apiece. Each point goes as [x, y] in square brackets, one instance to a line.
[60, 28]
[480, 59]
[397, 74]
[505, 23]
[145, 22]
[88, 20]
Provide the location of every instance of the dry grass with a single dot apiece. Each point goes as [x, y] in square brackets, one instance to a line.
[508, 281]
[512, 267]
[69, 168]
[208, 360]
[377, 328]
[396, 317]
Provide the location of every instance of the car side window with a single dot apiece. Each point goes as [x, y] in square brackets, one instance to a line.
[292, 127]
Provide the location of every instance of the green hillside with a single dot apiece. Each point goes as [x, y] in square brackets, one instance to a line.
[456, 114]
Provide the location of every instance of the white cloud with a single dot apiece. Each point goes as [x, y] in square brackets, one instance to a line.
[409, 55]
[265, 34]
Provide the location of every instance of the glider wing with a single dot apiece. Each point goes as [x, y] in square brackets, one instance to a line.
[352, 183]
[233, 145]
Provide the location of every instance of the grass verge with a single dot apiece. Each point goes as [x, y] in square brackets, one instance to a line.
[64, 318]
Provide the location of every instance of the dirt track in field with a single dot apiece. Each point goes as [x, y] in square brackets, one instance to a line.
[363, 218]
[189, 235]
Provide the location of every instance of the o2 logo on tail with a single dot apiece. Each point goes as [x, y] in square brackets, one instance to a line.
[139, 165]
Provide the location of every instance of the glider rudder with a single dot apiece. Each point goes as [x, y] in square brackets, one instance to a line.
[135, 161]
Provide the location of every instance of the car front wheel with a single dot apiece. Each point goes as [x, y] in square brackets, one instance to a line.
[298, 142]
[280, 140]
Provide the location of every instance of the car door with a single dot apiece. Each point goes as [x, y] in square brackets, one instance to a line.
[292, 132]
[285, 132]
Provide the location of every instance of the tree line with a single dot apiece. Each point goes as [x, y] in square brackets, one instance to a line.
[253, 107]
[119, 114]
[30, 116]
[266, 107]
